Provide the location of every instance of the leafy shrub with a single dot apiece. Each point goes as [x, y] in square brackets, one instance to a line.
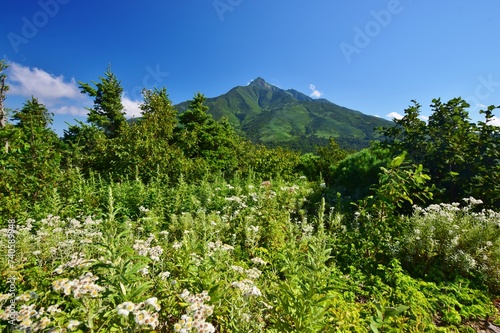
[357, 173]
[447, 239]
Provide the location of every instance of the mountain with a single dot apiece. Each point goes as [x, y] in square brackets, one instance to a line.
[276, 117]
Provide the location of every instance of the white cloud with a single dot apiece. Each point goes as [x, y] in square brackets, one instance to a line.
[28, 82]
[131, 107]
[394, 115]
[71, 110]
[481, 105]
[58, 95]
[315, 93]
[424, 118]
[495, 121]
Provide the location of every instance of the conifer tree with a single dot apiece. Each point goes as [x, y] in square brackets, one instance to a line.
[32, 166]
[201, 136]
[107, 113]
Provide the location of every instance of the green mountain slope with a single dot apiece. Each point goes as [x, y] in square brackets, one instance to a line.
[275, 117]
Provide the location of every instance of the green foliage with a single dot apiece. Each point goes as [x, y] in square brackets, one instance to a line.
[159, 116]
[31, 168]
[147, 150]
[265, 114]
[107, 113]
[268, 163]
[175, 222]
[445, 240]
[453, 149]
[400, 185]
[248, 248]
[3, 95]
[383, 316]
[354, 176]
[200, 136]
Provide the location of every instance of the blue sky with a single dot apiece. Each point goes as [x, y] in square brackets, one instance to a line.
[373, 56]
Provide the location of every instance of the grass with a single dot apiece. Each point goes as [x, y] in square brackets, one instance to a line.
[243, 256]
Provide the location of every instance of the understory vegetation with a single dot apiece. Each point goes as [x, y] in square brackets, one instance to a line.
[174, 223]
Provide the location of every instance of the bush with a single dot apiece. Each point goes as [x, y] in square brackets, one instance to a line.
[447, 240]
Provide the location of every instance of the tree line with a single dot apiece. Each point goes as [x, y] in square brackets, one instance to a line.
[447, 158]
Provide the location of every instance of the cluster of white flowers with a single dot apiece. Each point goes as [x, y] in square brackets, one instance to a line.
[164, 275]
[291, 189]
[258, 260]
[143, 248]
[177, 245]
[253, 228]
[307, 230]
[51, 221]
[144, 271]
[253, 273]
[77, 260]
[254, 196]
[141, 311]
[238, 269]
[73, 324]
[27, 296]
[219, 246]
[27, 317]
[79, 287]
[472, 201]
[247, 287]
[239, 200]
[196, 314]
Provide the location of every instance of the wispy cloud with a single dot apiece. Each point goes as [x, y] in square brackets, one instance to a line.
[394, 115]
[71, 110]
[59, 95]
[315, 93]
[131, 107]
[26, 81]
[495, 121]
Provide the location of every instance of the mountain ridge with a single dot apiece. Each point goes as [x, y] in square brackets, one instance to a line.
[272, 116]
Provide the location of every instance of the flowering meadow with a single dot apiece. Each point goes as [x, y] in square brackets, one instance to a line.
[174, 222]
[243, 256]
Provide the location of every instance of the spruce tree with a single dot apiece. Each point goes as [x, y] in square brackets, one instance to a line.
[107, 113]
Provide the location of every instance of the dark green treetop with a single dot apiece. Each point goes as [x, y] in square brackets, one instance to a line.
[107, 113]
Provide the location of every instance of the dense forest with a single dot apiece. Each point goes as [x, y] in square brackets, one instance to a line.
[176, 223]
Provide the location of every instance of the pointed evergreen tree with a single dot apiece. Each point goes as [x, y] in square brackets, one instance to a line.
[107, 113]
[146, 151]
[158, 113]
[201, 136]
[32, 166]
